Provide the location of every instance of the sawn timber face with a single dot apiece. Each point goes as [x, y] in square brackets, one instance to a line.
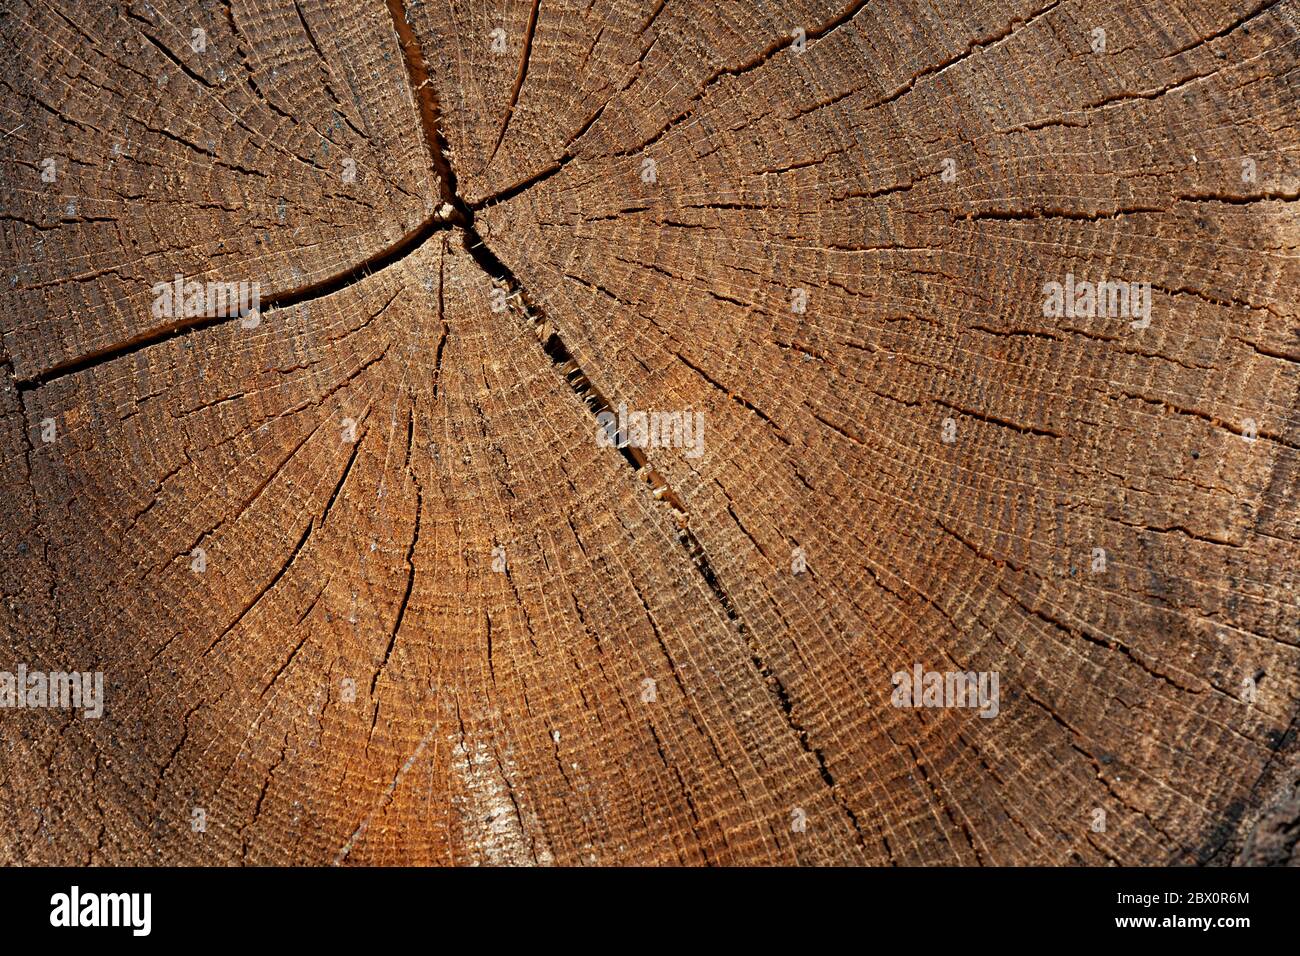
[366, 583]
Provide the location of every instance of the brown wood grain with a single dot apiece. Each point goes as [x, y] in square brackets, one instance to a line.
[437, 621]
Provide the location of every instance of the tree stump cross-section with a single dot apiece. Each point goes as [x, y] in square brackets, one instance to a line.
[533, 431]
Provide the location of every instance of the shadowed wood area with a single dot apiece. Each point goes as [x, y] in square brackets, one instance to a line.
[366, 578]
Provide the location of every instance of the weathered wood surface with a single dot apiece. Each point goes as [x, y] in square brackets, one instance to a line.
[436, 621]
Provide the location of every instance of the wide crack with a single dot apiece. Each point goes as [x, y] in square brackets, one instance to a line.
[461, 215]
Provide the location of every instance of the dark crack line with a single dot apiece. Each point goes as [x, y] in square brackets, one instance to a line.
[430, 112]
[519, 80]
[586, 391]
[756, 61]
[510, 192]
[277, 300]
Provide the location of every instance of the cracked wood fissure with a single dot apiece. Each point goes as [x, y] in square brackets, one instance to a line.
[588, 394]
[368, 587]
[561, 358]
[285, 299]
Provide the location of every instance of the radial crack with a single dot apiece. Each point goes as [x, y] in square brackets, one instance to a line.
[586, 391]
[283, 299]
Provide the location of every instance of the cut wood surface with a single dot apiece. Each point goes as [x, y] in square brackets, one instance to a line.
[363, 575]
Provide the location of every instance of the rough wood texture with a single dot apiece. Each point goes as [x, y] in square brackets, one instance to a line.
[437, 621]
